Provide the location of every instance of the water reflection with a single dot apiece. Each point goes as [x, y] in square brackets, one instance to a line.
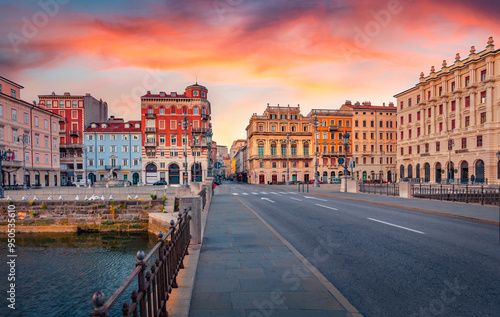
[56, 274]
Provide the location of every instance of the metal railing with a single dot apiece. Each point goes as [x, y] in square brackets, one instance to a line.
[389, 189]
[450, 181]
[465, 193]
[304, 185]
[155, 284]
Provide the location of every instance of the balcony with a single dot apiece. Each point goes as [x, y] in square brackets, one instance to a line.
[74, 133]
[150, 130]
[109, 167]
[62, 120]
[150, 144]
[205, 116]
[150, 116]
[333, 128]
[71, 146]
[333, 153]
[199, 130]
[280, 157]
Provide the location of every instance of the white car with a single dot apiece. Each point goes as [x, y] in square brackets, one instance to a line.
[82, 182]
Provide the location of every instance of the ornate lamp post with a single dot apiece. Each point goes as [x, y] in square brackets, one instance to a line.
[4, 156]
[25, 140]
[315, 123]
[346, 136]
[209, 141]
[185, 125]
[287, 140]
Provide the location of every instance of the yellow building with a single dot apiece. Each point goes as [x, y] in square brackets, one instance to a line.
[279, 137]
[448, 124]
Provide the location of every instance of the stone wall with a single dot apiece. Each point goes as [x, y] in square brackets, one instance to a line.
[67, 216]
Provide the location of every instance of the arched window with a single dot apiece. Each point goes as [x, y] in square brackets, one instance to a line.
[480, 171]
[451, 170]
[172, 110]
[410, 171]
[283, 149]
[273, 148]
[402, 171]
[184, 110]
[306, 148]
[438, 173]
[261, 148]
[196, 110]
[427, 172]
[417, 171]
[150, 110]
[332, 148]
[364, 175]
[162, 110]
[464, 172]
[294, 148]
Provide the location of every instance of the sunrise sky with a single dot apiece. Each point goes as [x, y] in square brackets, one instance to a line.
[246, 52]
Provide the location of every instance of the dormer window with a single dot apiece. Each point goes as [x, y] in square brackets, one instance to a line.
[173, 94]
[127, 125]
[103, 125]
[137, 125]
[94, 125]
[162, 94]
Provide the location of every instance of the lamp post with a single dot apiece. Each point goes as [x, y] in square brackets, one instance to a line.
[498, 157]
[4, 156]
[185, 124]
[287, 158]
[315, 124]
[382, 168]
[346, 136]
[209, 140]
[25, 141]
[194, 155]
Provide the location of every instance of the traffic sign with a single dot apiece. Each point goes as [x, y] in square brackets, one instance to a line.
[341, 160]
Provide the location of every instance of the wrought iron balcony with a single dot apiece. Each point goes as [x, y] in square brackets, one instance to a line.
[150, 116]
[205, 116]
[71, 146]
[150, 144]
[150, 129]
[109, 167]
[74, 133]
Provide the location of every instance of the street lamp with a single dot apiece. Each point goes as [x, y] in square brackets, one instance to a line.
[346, 136]
[315, 124]
[4, 156]
[185, 125]
[209, 140]
[287, 158]
[25, 140]
[194, 155]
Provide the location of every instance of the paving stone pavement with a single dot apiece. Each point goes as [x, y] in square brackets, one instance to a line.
[246, 270]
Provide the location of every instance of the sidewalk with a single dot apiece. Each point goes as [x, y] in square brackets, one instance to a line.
[482, 213]
[246, 269]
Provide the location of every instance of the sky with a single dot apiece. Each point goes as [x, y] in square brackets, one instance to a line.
[248, 53]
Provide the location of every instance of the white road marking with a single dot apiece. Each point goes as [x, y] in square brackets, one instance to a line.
[326, 207]
[235, 194]
[315, 198]
[246, 194]
[264, 198]
[391, 224]
[274, 193]
[263, 193]
[294, 199]
[254, 193]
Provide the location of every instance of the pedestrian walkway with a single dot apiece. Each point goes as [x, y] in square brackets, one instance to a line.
[247, 270]
[482, 213]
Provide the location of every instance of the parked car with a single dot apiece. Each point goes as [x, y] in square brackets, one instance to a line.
[162, 182]
[81, 182]
[312, 181]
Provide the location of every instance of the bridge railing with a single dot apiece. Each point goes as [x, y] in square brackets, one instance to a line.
[389, 189]
[155, 284]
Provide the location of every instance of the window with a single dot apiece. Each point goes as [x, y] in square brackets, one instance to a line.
[418, 149]
[409, 118]
[125, 162]
[347, 123]
[101, 162]
[428, 95]
[364, 123]
[355, 121]
[173, 139]
[402, 120]
[112, 137]
[464, 143]
[440, 126]
[402, 152]
[46, 138]
[306, 149]
[340, 123]
[372, 136]
[438, 146]
[401, 105]
[90, 162]
[113, 149]
[381, 136]
[283, 116]
[483, 96]
[418, 98]
[26, 118]
[440, 91]
[173, 124]
[426, 147]
[467, 81]
[356, 135]
[1, 111]
[483, 117]
[440, 109]
[37, 139]
[453, 86]
[274, 164]
[306, 164]
[418, 116]
[13, 93]
[135, 148]
[101, 148]
[37, 158]
[54, 127]
[429, 112]
[136, 162]
[418, 131]
[47, 159]
[74, 104]
[2, 133]
[125, 148]
[402, 135]
[479, 141]
[453, 105]
[61, 104]
[135, 138]
[184, 110]
[453, 124]
[74, 114]
[483, 75]
[409, 134]
[90, 149]
[409, 102]
[364, 135]
[467, 101]
[14, 115]
[36, 121]
[467, 121]
[381, 124]
[429, 129]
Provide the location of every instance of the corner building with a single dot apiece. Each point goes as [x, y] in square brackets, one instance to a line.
[268, 149]
[448, 124]
[164, 137]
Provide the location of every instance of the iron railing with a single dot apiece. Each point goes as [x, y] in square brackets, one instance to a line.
[304, 186]
[450, 181]
[389, 189]
[465, 193]
[157, 283]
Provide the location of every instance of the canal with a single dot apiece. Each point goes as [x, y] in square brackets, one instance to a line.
[56, 274]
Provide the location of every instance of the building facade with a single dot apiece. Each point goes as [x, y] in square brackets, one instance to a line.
[113, 148]
[449, 123]
[32, 134]
[166, 139]
[328, 142]
[235, 147]
[373, 140]
[77, 112]
[278, 137]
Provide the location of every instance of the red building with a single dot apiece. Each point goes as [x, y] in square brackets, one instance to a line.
[165, 139]
[77, 113]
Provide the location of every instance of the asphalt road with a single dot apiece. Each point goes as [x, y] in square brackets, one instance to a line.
[388, 261]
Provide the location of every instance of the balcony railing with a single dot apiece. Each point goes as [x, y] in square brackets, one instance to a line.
[74, 133]
[280, 157]
[199, 130]
[205, 116]
[150, 129]
[71, 145]
[109, 167]
[333, 128]
[150, 143]
[150, 116]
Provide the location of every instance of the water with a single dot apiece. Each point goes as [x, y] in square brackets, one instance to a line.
[57, 274]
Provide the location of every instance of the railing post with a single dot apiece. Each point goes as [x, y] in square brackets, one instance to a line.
[179, 244]
[441, 192]
[161, 277]
[99, 299]
[142, 291]
[173, 255]
[482, 195]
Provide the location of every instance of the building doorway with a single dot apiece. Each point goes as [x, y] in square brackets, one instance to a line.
[262, 179]
[464, 172]
[151, 173]
[173, 174]
[135, 178]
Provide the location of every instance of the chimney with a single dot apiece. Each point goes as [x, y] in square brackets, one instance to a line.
[383, 104]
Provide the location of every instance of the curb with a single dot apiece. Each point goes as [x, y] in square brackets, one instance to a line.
[490, 222]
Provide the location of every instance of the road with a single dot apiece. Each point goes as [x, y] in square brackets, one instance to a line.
[388, 261]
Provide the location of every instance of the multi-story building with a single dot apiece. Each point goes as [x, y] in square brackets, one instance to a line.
[449, 122]
[166, 138]
[373, 139]
[328, 141]
[32, 134]
[114, 148]
[235, 147]
[220, 168]
[77, 112]
[241, 164]
[269, 149]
